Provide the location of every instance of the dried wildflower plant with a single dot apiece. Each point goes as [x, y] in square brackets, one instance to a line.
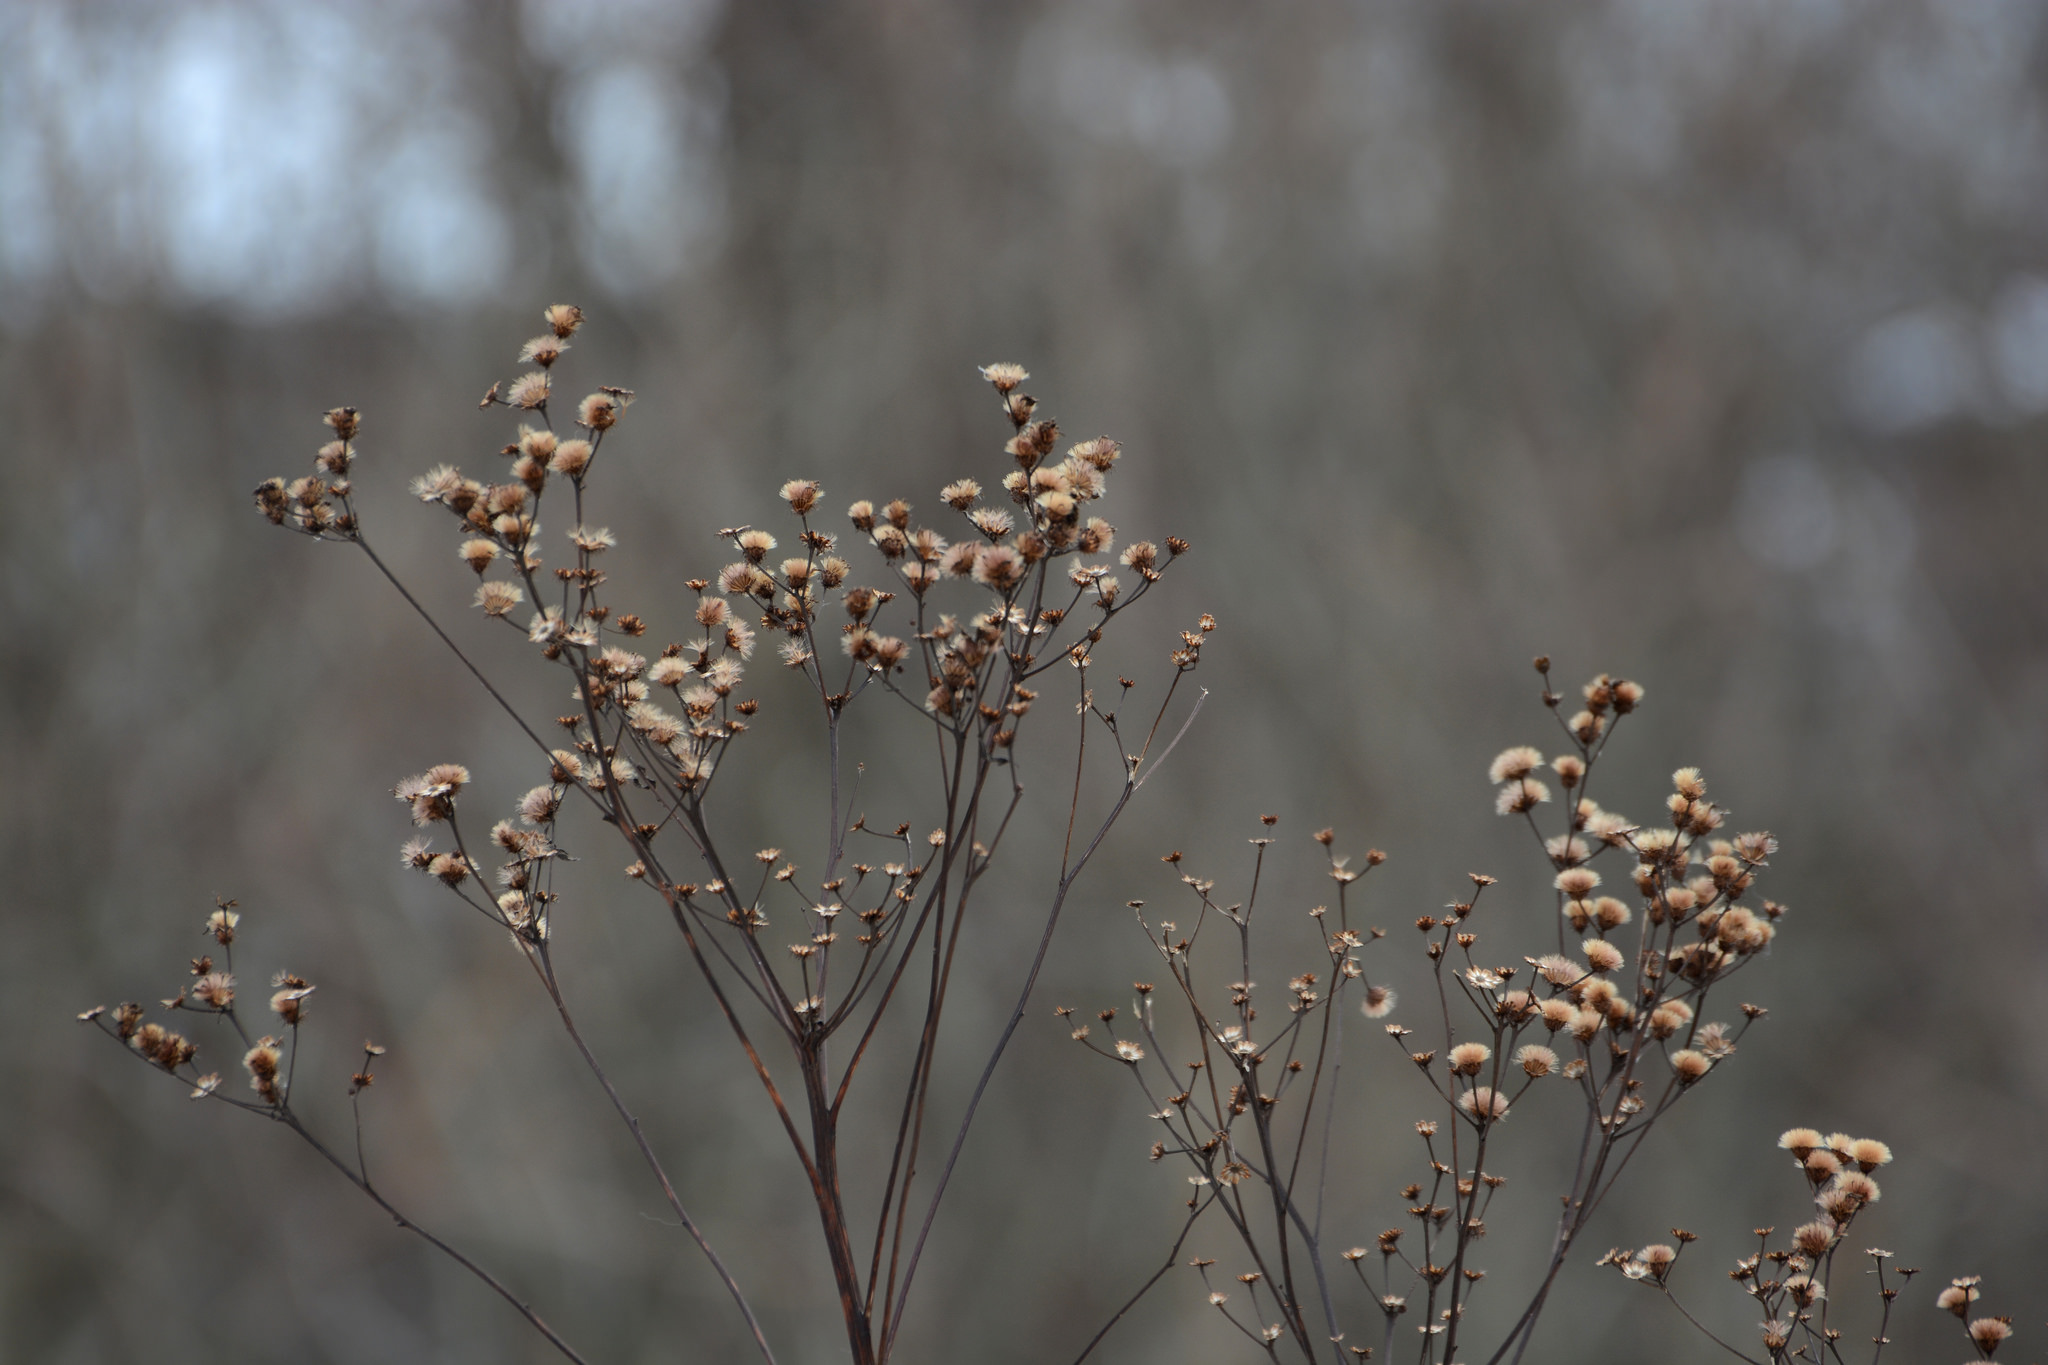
[1622, 1013]
[963, 623]
[1788, 1283]
[1618, 1015]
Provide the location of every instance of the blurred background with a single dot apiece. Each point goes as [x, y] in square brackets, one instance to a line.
[1703, 343]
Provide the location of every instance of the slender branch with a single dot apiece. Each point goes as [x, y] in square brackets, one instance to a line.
[544, 967]
[988, 1069]
[291, 1121]
[1173, 743]
[1146, 1288]
[1739, 1355]
[456, 649]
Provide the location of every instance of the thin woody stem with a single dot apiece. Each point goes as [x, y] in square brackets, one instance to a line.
[988, 1069]
[1146, 1288]
[498, 1286]
[544, 968]
[364, 545]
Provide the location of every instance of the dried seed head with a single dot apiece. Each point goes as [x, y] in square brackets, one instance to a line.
[1004, 375]
[1057, 506]
[1098, 537]
[571, 458]
[999, 567]
[1466, 1058]
[1098, 454]
[670, 670]
[1656, 1260]
[334, 460]
[563, 319]
[1814, 1238]
[1575, 882]
[539, 805]
[1989, 1332]
[801, 495]
[1512, 764]
[497, 598]
[529, 390]
[1958, 1297]
[543, 351]
[215, 989]
[478, 554]
[1595, 995]
[1484, 1103]
[262, 1061]
[345, 421]
[289, 1003]
[958, 560]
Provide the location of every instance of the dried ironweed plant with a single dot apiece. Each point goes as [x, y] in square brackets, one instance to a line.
[1617, 1012]
[965, 626]
[1789, 1284]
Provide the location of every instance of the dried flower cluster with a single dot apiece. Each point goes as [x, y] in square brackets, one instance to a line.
[1789, 1283]
[1238, 1111]
[965, 619]
[1617, 1018]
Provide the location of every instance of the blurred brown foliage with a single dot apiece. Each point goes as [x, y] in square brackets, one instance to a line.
[1703, 342]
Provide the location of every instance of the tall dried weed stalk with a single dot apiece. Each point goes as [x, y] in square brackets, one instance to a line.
[966, 624]
[1618, 1012]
